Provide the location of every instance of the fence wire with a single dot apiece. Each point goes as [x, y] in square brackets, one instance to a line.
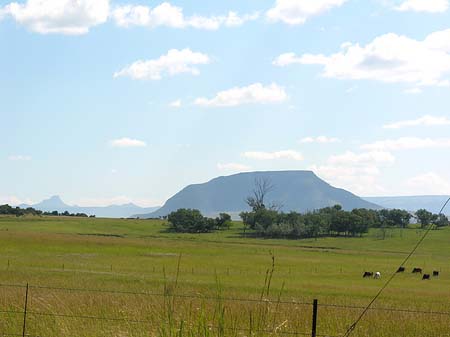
[199, 297]
[227, 299]
[127, 320]
[352, 327]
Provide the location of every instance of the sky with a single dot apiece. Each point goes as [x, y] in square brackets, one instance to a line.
[109, 102]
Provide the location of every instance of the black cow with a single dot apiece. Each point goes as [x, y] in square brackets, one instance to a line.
[400, 269]
[368, 274]
[435, 273]
[426, 277]
[417, 270]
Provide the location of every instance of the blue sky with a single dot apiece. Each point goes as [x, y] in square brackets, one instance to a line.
[115, 101]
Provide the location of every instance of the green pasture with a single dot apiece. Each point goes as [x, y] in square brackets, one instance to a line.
[141, 256]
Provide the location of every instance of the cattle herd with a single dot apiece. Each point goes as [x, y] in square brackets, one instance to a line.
[420, 271]
[415, 270]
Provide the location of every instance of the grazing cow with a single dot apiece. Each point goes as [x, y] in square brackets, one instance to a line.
[400, 269]
[377, 275]
[367, 274]
[426, 277]
[417, 270]
[435, 273]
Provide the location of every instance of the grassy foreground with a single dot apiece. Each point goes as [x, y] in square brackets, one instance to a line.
[211, 272]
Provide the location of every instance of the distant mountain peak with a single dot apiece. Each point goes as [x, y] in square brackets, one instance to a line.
[55, 198]
[53, 201]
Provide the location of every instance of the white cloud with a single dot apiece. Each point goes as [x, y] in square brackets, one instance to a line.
[286, 59]
[319, 139]
[413, 91]
[163, 15]
[388, 58]
[296, 12]
[362, 159]
[428, 183]
[359, 180]
[168, 15]
[127, 142]
[430, 6]
[285, 154]
[175, 104]
[254, 93]
[19, 157]
[59, 16]
[234, 20]
[426, 120]
[357, 172]
[233, 167]
[407, 143]
[173, 63]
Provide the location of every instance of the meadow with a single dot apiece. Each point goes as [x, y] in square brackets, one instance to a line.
[116, 277]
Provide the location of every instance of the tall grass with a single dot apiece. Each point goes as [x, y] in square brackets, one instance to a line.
[213, 269]
[174, 316]
[216, 318]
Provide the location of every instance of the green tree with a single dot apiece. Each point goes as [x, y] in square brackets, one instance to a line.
[359, 222]
[440, 220]
[394, 218]
[263, 218]
[223, 221]
[339, 220]
[189, 221]
[424, 217]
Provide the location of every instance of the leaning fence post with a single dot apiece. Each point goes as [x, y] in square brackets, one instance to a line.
[25, 313]
[314, 319]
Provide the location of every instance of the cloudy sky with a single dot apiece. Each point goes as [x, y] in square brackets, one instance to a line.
[115, 101]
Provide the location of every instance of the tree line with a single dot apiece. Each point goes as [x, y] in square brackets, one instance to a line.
[328, 221]
[17, 211]
[267, 220]
[332, 221]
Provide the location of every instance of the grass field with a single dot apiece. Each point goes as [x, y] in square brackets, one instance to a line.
[211, 272]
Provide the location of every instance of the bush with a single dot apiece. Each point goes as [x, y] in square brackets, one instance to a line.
[440, 220]
[192, 221]
[223, 221]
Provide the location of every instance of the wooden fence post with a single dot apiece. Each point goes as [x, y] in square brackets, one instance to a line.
[25, 313]
[314, 319]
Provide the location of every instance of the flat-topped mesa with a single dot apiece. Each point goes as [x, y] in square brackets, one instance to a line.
[293, 190]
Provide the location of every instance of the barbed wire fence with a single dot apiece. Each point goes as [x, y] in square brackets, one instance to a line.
[352, 327]
[25, 313]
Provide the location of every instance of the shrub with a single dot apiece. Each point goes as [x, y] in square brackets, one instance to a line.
[192, 221]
